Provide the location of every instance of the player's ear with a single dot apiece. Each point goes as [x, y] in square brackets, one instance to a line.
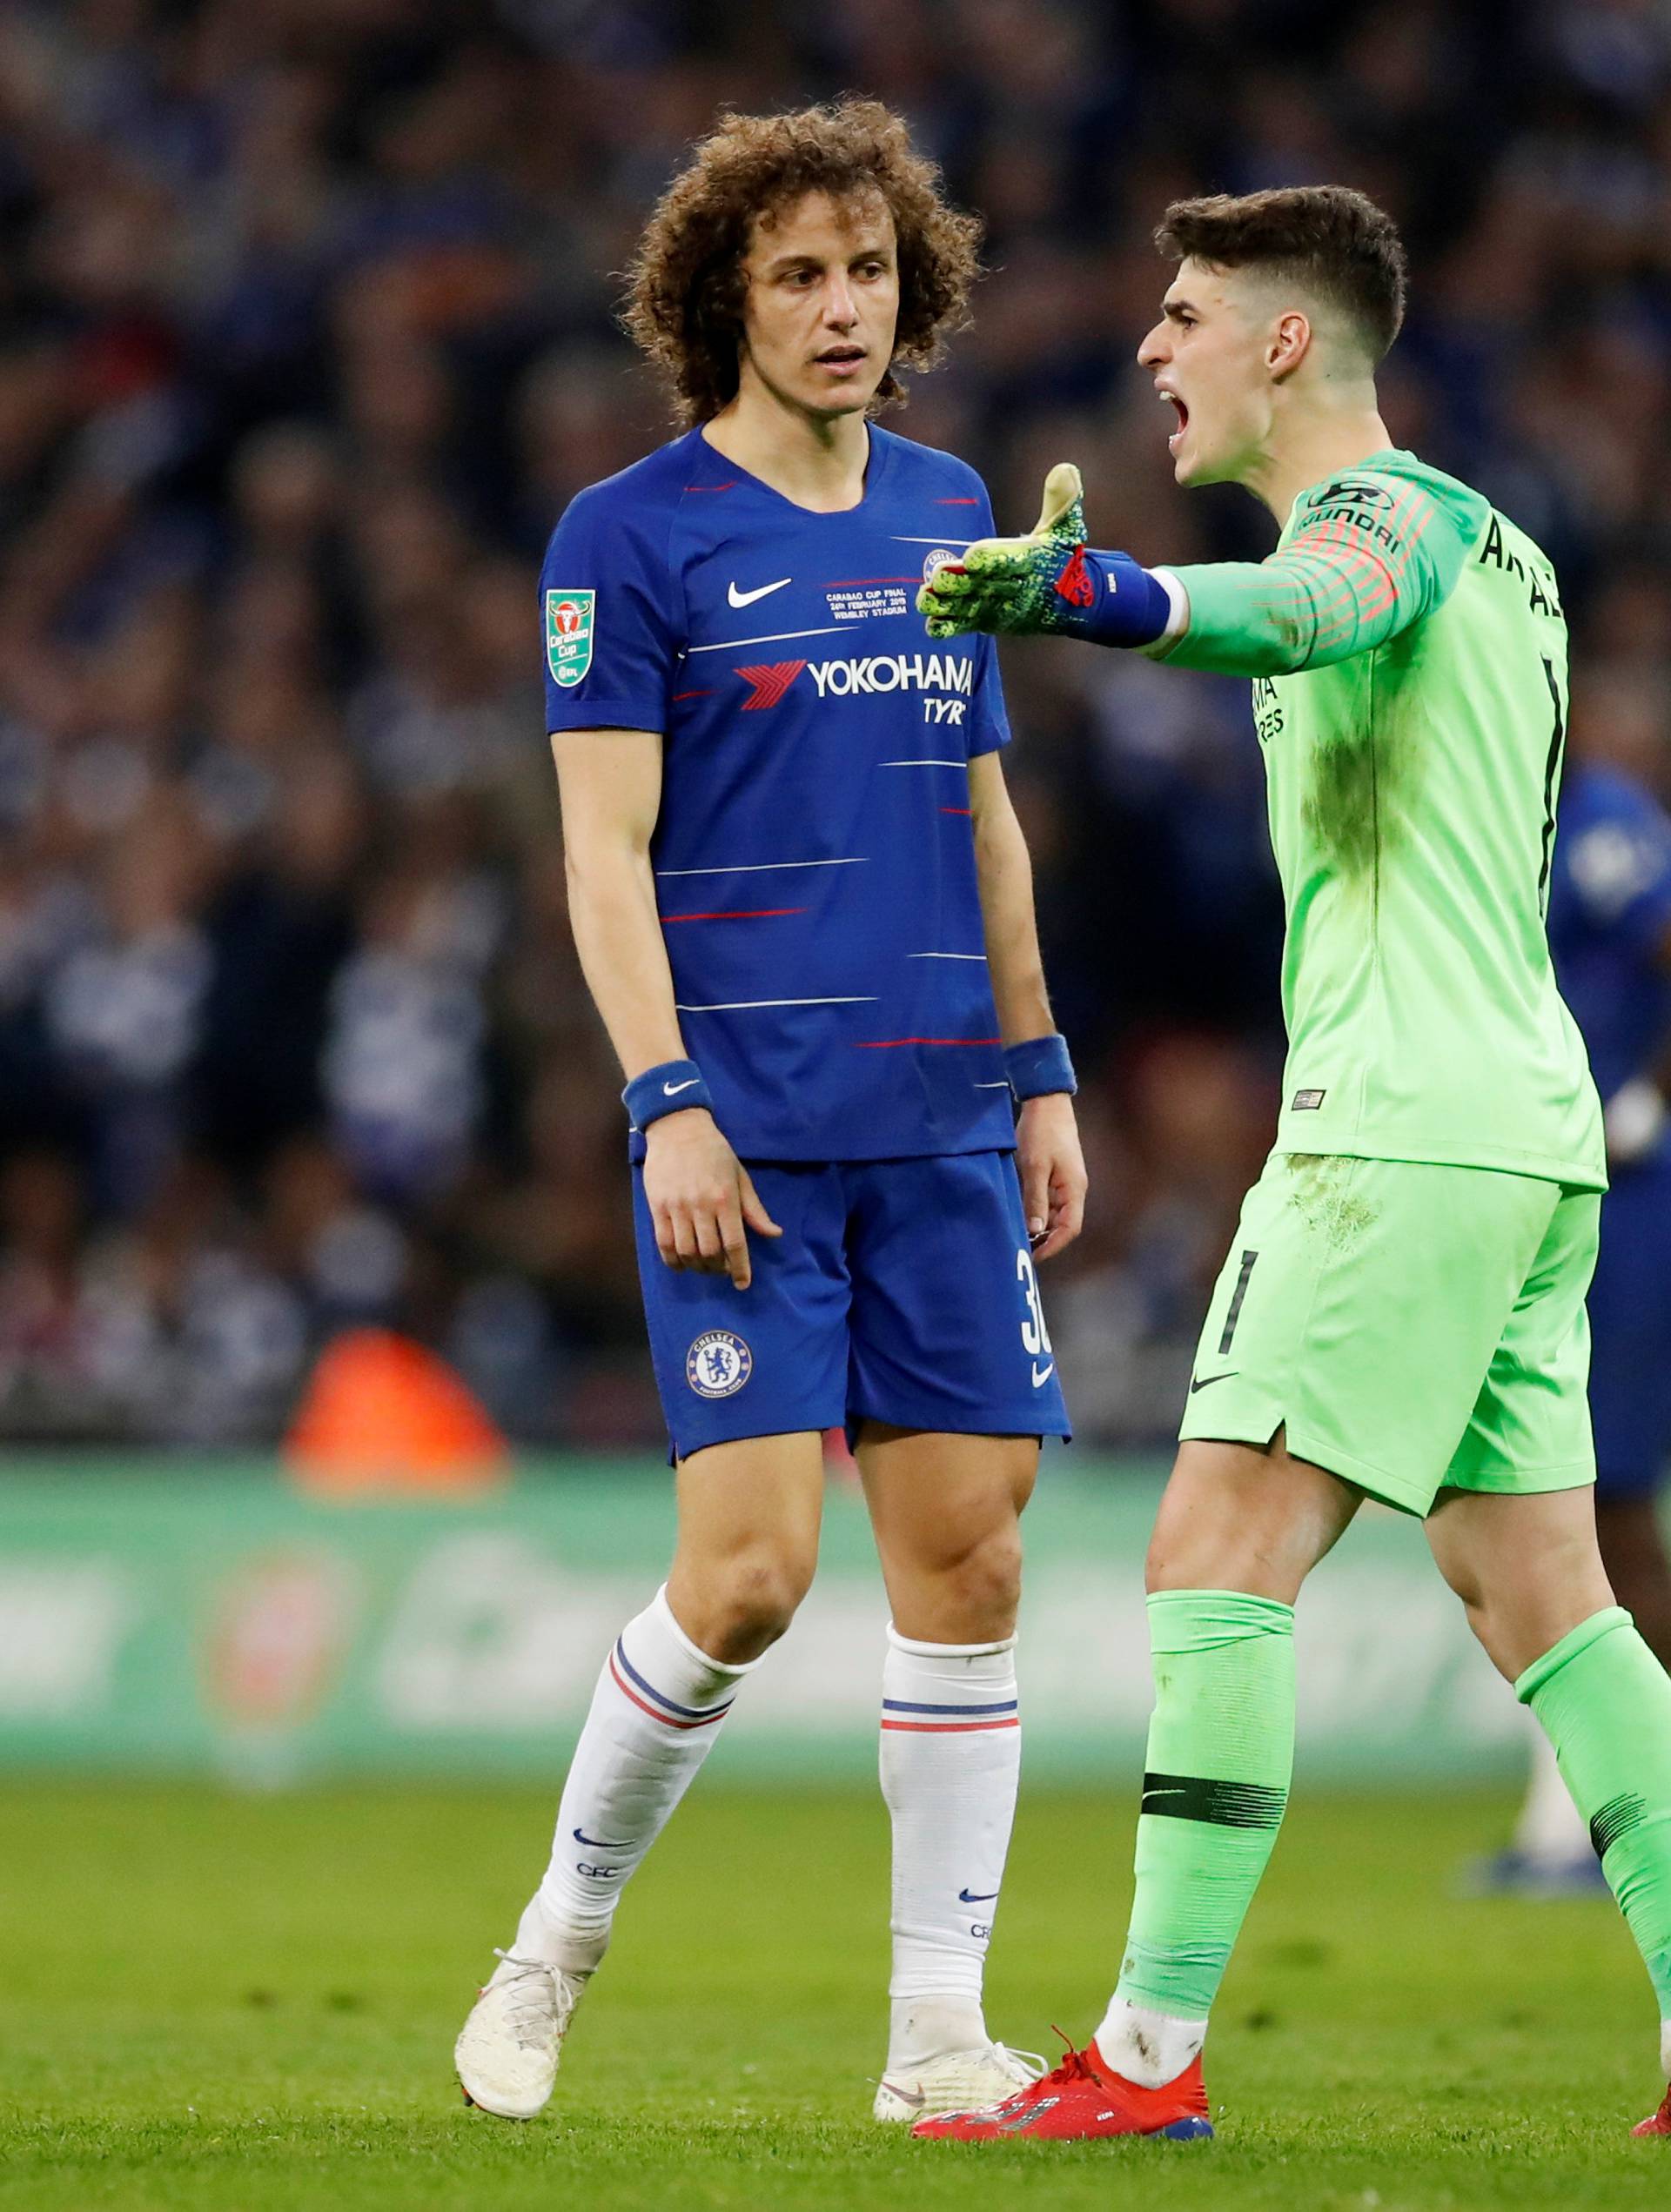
[1288, 345]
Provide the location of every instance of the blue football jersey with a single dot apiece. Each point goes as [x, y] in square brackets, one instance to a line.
[1609, 914]
[814, 855]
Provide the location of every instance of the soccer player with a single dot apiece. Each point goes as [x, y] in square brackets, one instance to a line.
[1401, 1313]
[1610, 932]
[804, 908]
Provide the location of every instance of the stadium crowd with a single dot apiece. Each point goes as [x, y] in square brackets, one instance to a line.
[306, 337]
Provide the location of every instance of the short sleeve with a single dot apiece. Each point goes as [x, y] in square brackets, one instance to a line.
[606, 614]
[989, 720]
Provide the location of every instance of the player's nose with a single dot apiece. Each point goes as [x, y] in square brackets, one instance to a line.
[1154, 350]
[840, 309]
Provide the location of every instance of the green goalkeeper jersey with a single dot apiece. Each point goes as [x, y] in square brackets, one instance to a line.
[1409, 658]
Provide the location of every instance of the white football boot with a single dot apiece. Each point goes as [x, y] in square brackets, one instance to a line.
[507, 2050]
[955, 2081]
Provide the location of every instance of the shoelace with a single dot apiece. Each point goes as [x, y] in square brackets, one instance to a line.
[1072, 2066]
[1025, 2066]
[532, 2001]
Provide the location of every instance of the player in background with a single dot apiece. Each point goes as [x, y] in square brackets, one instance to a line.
[804, 908]
[1610, 932]
[1401, 1315]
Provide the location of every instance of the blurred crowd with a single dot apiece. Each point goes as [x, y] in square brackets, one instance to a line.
[306, 336]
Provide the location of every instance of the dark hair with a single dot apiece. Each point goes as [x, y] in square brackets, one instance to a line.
[686, 285]
[1334, 241]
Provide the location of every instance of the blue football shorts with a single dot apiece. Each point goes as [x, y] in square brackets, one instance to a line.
[1630, 1332]
[901, 1291]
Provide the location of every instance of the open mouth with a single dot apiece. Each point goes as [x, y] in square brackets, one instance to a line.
[1183, 412]
[843, 359]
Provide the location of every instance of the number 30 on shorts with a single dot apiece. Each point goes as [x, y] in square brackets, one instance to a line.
[1035, 1336]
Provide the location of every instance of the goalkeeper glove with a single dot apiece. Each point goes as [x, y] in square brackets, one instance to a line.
[1048, 582]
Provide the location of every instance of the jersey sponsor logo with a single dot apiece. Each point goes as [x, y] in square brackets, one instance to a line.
[1343, 492]
[718, 1364]
[876, 673]
[1267, 709]
[1306, 1101]
[569, 622]
[883, 672]
[1363, 523]
[734, 598]
[769, 683]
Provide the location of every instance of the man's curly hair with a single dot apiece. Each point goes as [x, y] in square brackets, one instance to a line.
[686, 285]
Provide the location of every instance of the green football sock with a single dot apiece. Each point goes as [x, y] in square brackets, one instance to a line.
[1221, 1751]
[1604, 1701]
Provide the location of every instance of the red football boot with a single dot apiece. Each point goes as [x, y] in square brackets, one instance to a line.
[1082, 2098]
[1657, 2123]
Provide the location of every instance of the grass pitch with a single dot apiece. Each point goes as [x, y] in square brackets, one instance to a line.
[208, 2001]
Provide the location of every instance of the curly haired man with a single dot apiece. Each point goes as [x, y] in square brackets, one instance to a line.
[804, 908]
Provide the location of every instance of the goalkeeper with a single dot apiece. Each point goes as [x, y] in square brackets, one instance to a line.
[1401, 1314]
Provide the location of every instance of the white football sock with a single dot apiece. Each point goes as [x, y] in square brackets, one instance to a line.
[950, 1762]
[1551, 1830]
[1148, 2047]
[658, 1705]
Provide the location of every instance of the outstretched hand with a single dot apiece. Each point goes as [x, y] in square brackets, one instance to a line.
[1016, 587]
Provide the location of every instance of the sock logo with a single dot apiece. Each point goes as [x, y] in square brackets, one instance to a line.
[1223, 1805]
[976, 1897]
[596, 1843]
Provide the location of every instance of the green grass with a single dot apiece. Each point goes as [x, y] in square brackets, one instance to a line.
[235, 2002]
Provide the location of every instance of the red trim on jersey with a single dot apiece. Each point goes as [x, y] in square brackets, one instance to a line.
[732, 914]
[957, 503]
[956, 810]
[730, 485]
[887, 1044]
[851, 583]
[678, 695]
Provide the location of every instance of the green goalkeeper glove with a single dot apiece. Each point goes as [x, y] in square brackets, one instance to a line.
[1049, 581]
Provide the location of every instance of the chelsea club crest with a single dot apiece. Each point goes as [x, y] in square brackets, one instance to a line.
[718, 1364]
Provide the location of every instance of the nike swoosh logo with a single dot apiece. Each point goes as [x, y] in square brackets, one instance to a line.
[1039, 1381]
[972, 1897]
[671, 1091]
[592, 1843]
[916, 2098]
[1207, 1381]
[748, 598]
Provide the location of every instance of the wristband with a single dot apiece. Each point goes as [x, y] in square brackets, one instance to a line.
[1116, 601]
[666, 1089]
[1039, 1067]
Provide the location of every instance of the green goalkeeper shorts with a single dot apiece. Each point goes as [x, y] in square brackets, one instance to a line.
[1409, 1326]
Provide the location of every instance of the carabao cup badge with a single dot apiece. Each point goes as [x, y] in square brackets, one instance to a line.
[718, 1364]
[569, 624]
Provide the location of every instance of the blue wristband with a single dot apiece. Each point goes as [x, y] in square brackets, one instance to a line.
[666, 1089]
[1039, 1067]
[1112, 600]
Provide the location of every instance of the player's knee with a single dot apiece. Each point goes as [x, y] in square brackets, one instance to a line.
[980, 1586]
[752, 1599]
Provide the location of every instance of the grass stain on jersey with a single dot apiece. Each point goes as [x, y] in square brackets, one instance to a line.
[1320, 1197]
[1357, 804]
